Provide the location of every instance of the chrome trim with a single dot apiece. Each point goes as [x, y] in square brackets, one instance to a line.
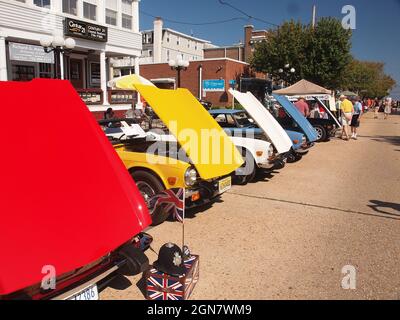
[89, 283]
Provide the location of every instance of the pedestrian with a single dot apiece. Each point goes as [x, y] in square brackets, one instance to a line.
[315, 112]
[355, 120]
[376, 108]
[302, 105]
[387, 107]
[347, 111]
[109, 114]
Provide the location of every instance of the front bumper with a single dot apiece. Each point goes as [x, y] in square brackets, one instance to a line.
[205, 191]
[274, 162]
[305, 148]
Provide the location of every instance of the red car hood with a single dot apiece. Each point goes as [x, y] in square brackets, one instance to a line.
[66, 198]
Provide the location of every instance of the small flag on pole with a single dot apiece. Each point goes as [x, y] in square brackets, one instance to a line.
[172, 200]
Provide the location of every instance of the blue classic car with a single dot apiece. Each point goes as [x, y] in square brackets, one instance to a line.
[237, 122]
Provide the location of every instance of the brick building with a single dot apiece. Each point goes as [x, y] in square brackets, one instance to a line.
[242, 51]
[193, 78]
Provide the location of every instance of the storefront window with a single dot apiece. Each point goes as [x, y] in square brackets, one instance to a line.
[94, 74]
[23, 72]
[45, 70]
[70, 6]
[111, 17]
[126, 21]
[89, 11]
[42, 3]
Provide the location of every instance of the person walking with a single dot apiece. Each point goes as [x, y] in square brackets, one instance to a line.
[347, 111]
[355, 120]
[376, 108]
[387, 108]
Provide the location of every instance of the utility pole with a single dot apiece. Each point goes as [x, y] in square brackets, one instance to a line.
[314, 15]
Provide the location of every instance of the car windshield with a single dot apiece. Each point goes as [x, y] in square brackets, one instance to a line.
[243, 120]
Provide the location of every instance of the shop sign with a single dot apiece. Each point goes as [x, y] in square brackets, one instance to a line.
[85, 30]
[214, 85]
[29, 53]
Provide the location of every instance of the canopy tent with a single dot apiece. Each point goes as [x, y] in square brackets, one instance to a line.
[349, 94]
[302, 87]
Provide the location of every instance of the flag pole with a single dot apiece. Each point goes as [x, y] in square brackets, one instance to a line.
[183, 218]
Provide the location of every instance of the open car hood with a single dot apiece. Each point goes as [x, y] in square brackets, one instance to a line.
[330, 114]
[264, 119]
[206, 144]
[303, 123]
[66, 198]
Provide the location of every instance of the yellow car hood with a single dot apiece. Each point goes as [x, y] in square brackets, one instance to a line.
[207, 145]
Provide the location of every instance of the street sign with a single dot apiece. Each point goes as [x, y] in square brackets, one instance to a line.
[214, 85]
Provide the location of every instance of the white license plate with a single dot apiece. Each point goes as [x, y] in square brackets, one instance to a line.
[89, 293]
[224, 184]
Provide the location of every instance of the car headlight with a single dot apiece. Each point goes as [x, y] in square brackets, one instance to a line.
[270, 151]
[190, 176]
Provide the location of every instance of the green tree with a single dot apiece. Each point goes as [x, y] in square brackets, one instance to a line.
[318, 54]
[367, 78]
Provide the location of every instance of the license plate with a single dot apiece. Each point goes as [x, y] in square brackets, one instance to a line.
[224, 184]
[89, 293]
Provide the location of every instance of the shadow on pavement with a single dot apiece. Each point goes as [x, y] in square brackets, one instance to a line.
[395, 140]
[119, 282]
[264, 176]
[377, 206]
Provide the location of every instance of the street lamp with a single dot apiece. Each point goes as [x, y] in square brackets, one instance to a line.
[59, 45]
[179, 65]
[286, 73]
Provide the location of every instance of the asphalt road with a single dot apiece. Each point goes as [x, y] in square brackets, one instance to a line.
[289, 235]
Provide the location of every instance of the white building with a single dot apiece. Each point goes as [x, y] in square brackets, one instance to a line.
[162, 44]
[103, 30]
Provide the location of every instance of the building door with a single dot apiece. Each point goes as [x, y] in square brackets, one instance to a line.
[76, 73]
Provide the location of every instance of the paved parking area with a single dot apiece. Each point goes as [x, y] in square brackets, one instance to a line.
[289, 235]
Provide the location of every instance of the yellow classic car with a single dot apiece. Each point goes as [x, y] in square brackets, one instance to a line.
[203, 164]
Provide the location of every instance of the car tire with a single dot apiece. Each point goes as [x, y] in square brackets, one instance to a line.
[136, 261]
[249, 176]
[149, 185]
[321, 133]
[293, 157]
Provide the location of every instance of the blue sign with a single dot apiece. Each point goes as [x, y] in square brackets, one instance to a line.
[214, 85]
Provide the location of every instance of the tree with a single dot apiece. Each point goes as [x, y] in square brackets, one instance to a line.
[367, 78]
[318, 54]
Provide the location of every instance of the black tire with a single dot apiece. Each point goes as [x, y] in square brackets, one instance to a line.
[136, 261]
[145, 180]
[249, 168]
[321, 133]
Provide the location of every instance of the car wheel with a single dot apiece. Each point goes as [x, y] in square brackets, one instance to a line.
[293, 157]
[149, 186]
[247, 172]
[321, 133]
[136, 261]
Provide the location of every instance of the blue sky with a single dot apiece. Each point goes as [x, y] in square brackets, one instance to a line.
[377, 34]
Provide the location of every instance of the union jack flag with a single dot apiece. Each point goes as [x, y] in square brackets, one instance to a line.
[164, 287]
[172, 200]
[191, 264]
[161, 286]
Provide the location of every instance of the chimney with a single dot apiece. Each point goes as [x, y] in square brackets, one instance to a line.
[157, 40]
[248, 31]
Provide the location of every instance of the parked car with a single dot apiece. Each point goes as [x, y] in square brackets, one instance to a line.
[163, 161]
[250, 140]
[67, 224]
[289, 143]
[299, 123]
[206, 104]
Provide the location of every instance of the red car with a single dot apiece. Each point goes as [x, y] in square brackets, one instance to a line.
[71, 216]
